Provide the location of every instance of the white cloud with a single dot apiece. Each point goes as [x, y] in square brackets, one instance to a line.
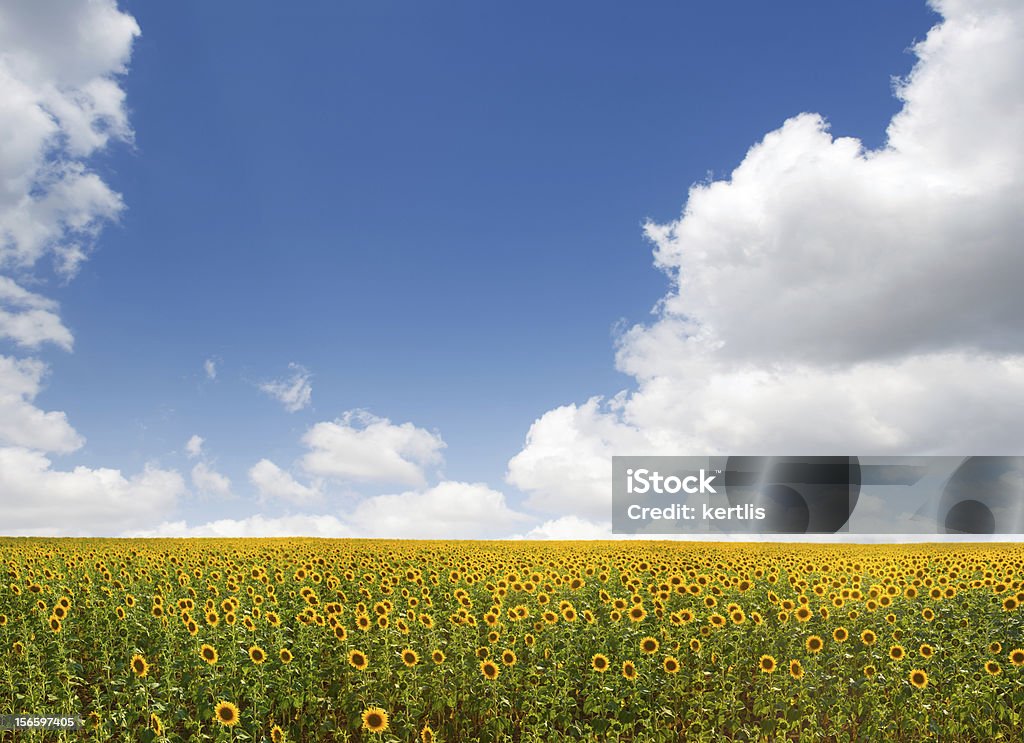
[826, 298]
[210, 367]
[257, 525]
[21, 422]
[274, 483]
[361, 446]
[449, 510]
[30, 319]
[570, 528]
[566, 464]
[295, 392]
[194, 446]
[59, 103]
[37, 500]
[207, 480]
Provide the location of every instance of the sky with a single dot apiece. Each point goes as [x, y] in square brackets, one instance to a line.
[420, 270]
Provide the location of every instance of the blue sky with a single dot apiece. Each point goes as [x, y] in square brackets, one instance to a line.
[436, 214]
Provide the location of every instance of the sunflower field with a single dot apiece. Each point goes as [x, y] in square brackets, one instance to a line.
[319, 640]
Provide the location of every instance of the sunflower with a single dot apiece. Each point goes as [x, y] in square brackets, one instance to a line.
[208, 653]
[869, 671]
[489, 669]
[926, 650]
[1017, 657]
[508, 658]
[868, 637]
[226, 714]
[649, 645]
[637, 614]
[410, 657]
[375, 720]
[285, 655]
[257, 655]
[139, 666]
[767, 664]
[357, 659]
[55, 625]
[628, 670]
[716, 620]
[670, 664]
[277, 734]
[814, 644]
[155, 724]
[927, 614]
[918, 678]
[437, 656]
[427, 734]
[599, 663]
[896, 652]
[995, 648]
[992, 668]
[695, 645]
[796, 670]
[802, 614]
[839, 634]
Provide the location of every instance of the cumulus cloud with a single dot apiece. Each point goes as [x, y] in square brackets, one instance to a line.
[294, 392]
[825, 297]
[38, 500]
[449, 510]
[194, 446]
[210, 368]
[60, 102]
[363, 447]
[570, 527]
[257, 525]
[21, 422]
[272, 482]
[30, 319]
[207, 480]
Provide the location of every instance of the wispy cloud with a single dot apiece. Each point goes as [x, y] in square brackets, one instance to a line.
[294, 392]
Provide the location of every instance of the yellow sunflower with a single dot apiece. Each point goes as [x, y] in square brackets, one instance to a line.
[257, 655]
[649, 645]
[139, 666]
[375, 720]
[226, 714]
[357, 659]
[208, 653]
